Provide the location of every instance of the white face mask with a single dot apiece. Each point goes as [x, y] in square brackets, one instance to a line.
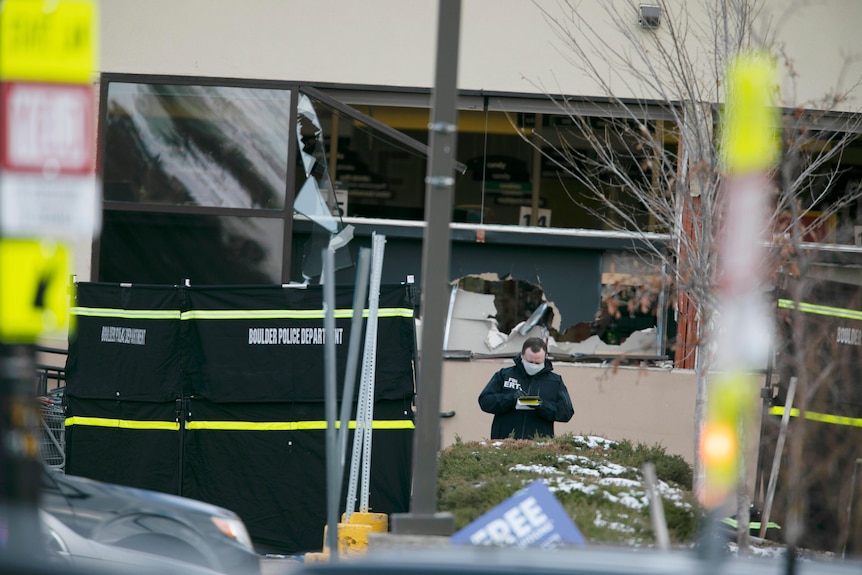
[532, 368]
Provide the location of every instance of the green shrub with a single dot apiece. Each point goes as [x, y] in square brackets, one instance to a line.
[597, 483]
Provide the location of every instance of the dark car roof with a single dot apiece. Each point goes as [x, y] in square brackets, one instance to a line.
[467, 560]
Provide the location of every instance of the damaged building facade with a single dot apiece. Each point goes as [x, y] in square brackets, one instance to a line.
[235, 141]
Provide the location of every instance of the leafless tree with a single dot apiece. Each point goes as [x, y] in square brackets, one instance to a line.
[651, 162]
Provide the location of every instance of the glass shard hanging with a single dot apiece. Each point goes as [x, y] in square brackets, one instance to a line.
[316, 197]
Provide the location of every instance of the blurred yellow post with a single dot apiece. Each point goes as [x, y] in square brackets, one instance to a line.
[48, 196]
[749, 147]
[731, 401]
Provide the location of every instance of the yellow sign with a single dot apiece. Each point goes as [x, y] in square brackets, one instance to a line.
[34, 294]
[48, 40]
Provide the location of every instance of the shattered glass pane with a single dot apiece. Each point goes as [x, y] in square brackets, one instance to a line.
[196, 145]
[316, 197]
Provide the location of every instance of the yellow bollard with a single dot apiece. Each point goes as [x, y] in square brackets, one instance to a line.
[352, 535]
[379, 522]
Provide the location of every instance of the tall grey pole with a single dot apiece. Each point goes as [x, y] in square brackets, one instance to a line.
[423, 518]
[333, 469]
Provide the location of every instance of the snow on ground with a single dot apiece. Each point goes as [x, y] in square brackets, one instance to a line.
[615, 525]
[594, 441]
[591, 476]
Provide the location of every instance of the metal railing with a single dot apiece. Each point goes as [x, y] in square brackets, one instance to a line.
[50, 375]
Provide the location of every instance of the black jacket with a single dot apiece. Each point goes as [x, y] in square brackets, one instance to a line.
[500, 396]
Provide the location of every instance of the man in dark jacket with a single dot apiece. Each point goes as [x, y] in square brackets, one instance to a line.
[509, 394]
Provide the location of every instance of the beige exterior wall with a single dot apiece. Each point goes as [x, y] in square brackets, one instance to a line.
[506, 45]
[648, 405]
[643, 405]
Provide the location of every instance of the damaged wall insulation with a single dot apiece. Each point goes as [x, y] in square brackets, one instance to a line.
[572, 279]
[472, 326]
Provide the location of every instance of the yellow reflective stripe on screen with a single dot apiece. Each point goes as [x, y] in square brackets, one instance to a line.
[126, 313]
[227, 425]
[287, 313]
[822, 417]
[121, 423]
[821, 309]
[231, 314]
[290, 425]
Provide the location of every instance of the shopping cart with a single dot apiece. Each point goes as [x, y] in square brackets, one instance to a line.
[53, 432]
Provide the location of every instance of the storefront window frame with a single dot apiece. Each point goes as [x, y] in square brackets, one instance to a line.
[345, 97]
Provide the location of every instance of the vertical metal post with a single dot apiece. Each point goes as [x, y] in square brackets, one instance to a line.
[537, 171]
[440, 183]
[363, 268]
[333, 469]
[656, 510]
[20, 466]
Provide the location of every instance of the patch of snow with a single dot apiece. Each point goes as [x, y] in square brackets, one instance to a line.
[578, 470]
[673, 494]
[608, 468]
[573, 457]
[621, 527]
[620, 482]
[541, 469]
[626, 499]
[757, 551]
[593, 441]
[492, 444]
[614, 525]
[569, 485]
[633, 502]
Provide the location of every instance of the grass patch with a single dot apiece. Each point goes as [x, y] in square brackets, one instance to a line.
[599, 483]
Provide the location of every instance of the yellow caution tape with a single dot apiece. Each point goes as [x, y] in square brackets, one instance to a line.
[821, 417]
[821, 309]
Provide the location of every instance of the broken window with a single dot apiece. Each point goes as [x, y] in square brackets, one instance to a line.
[492, 316]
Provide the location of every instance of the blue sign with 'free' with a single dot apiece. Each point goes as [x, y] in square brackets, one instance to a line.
[531, 518]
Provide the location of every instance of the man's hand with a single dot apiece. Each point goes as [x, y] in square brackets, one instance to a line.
[547, 410]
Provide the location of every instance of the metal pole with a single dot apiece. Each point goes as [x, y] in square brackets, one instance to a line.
[776, 459]
[656, 511]
[850, 507]
[363, 267]
[766, 397]
[333, 470]
[537, 171]
[440, 183]
[361, 455]
[369, 367]
[20, 466]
